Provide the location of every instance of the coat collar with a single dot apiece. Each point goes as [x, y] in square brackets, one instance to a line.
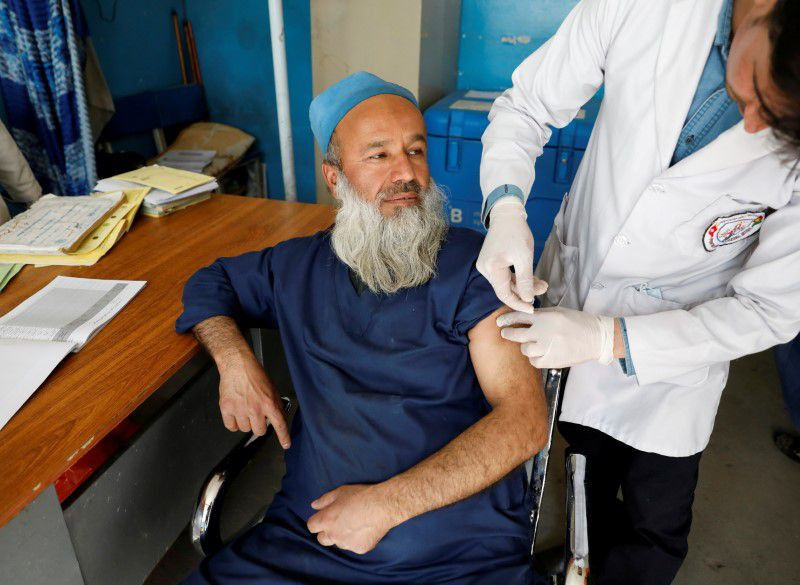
[732, 147]
[689, 32]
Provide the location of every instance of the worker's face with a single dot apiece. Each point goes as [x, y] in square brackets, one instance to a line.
[748, 77]
[382, 145]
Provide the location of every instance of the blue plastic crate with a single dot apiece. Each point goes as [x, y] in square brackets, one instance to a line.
[467, 213]
[455, 125]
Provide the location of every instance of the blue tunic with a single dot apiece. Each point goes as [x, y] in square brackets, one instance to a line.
[382, 382]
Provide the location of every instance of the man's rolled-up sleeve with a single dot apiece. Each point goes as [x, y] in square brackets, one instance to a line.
[241, 288]
[761, 309]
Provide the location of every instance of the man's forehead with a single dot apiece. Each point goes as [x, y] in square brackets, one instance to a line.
[382, 118]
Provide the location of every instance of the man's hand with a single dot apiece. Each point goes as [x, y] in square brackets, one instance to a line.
[508, 243]
[352, 517]
[559, 338]
[248, 399]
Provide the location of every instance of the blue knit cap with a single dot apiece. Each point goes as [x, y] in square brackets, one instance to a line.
[329, 107]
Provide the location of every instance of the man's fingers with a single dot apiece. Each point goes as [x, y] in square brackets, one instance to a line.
[315, 523]
[324, 500]
[243, 422]
[539, 286]
[500, 279]
[523, 277]
[515, 318]
[532, 350]
[229, 421]
[546, 362]
[517, 334]
[259, 424]
[324, 539]
[278, 420]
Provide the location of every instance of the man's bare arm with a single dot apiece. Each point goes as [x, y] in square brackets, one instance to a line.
[223, 340]
[247, 397]
[511, 433]
[357, 517]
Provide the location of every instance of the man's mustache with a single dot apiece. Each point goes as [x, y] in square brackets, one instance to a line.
[400, 187]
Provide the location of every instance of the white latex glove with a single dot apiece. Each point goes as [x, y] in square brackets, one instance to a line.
[558, 338]
[510, 243]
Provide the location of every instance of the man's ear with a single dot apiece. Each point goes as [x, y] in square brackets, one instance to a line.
[331, 175]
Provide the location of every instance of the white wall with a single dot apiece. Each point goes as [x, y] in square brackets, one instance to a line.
[413, 43]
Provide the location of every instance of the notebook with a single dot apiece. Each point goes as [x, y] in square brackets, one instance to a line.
[56, 225]
[61, 318]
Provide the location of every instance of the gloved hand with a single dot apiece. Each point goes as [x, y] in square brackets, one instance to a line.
[558, 337]
[510, 243]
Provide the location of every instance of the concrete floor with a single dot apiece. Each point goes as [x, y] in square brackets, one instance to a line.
[746, 528]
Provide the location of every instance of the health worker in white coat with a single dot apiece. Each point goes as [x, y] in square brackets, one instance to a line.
[676, 250]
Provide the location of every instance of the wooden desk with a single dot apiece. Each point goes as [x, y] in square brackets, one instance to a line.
[138, 351]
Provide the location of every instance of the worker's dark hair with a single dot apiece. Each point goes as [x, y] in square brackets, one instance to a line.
[783, 23]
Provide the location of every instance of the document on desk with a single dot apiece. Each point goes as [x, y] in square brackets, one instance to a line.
[56, 225]
[155, 196]
[61, 318]
[173, 181]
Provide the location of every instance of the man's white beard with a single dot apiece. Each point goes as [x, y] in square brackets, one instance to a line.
[389, 253]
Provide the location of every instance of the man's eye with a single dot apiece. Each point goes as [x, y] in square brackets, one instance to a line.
[415, 152]
[378, 156]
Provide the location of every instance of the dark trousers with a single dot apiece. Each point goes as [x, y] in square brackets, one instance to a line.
[643, 539]
[787, 356]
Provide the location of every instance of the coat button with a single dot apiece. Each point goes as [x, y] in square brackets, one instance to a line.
[622, 240]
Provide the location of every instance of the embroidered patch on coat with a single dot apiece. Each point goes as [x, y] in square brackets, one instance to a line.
[732, 229]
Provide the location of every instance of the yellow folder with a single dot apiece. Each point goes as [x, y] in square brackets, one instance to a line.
[168, 179]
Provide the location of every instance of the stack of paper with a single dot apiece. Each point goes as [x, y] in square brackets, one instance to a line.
[56, 225]
[96, 243]
[7, 272]
[172, 189]
[187, 160]
[60, 318]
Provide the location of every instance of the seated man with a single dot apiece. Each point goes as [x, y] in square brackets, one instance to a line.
[404, 461]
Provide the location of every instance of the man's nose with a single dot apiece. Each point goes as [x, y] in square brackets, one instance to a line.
[402, 170]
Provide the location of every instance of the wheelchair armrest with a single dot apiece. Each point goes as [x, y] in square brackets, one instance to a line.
[205, 524]
[552, 395]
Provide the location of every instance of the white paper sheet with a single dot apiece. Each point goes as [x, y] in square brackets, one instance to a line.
[155, 196]
[68, 309]
[24, 365]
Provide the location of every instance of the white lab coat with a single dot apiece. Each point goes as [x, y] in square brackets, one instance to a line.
[632, 227]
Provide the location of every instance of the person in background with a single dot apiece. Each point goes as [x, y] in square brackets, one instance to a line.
[403, 464]
[16, 177]
[787, 357]
[676, 251]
